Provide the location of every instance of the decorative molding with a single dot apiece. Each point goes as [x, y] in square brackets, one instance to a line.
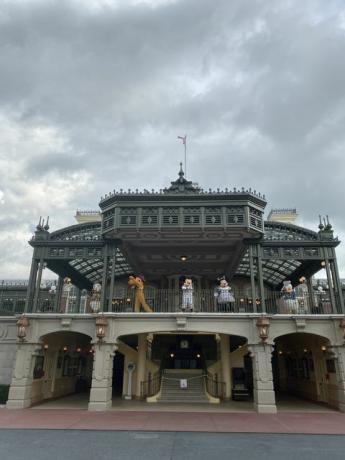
[181, 322]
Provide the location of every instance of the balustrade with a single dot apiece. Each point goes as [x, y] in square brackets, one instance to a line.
[170, 301]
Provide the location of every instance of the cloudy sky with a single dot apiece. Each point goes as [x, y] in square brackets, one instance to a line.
[94, 93]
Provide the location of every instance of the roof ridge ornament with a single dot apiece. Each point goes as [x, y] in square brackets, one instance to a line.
[325, 228]
[182, 185]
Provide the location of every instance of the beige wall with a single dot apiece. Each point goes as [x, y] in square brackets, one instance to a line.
[122, 324]
[8, 348]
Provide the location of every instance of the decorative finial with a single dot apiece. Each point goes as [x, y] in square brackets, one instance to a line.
[46, 227]
[39, 225]
[321, 227]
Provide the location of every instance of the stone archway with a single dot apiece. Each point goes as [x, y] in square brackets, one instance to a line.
[59, 365]
[304, 370]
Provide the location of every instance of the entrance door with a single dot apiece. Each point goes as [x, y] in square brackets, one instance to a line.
[118, 369]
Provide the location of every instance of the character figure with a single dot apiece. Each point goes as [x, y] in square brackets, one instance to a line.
[224, 296]
[137, 282]
[288, 302]
[302, 295]
[187, 295]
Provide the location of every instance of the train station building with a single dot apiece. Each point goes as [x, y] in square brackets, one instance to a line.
[180, 296]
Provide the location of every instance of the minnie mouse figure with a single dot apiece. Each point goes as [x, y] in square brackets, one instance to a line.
[224, 296]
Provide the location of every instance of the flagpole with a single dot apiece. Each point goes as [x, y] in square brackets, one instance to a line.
[185, 155]
[184, 140]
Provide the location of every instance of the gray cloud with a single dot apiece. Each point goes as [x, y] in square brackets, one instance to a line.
[93, 99]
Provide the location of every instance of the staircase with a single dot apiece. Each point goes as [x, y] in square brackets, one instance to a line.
[171, 392]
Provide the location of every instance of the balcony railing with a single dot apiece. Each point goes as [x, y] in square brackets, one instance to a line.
[171, 301]
[204, 301]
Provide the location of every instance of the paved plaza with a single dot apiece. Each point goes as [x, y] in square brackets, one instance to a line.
[326, 422]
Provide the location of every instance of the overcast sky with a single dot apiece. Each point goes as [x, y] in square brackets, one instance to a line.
[94, 93]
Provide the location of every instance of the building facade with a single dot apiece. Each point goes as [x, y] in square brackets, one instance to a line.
[122, 321]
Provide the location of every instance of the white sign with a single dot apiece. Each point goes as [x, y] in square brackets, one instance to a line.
[183, 383]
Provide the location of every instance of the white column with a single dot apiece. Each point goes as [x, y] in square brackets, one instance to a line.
[225, 361]
[141, 363]
[264, 396]
[102, 377]
[19, 395]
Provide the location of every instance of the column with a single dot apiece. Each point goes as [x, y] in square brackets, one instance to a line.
[104, 278]
[225, 361]
[38, 285]
[264, 396]
[19, 395]
[311, 308]
[112, 281]
[252, 278]
[330, 286]
[337, 282]
[102, 377]
[261, 280]
[77, 300]
[141, 363]
[31, 285]
[57, 305]
[339, 356]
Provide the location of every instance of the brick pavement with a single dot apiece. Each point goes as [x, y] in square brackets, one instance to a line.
[212, 422]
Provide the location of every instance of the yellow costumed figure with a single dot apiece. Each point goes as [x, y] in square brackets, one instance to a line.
[137, 282]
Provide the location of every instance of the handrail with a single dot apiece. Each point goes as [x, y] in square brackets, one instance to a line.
[151, 386]
[214, 387]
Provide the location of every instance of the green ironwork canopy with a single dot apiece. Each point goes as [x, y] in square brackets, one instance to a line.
[78, 251]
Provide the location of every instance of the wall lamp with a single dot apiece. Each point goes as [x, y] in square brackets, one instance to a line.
[263, 324]
[101, 326]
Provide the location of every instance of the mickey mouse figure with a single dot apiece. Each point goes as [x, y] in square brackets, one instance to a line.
[224, 296]
[187, 295]
[288, 298]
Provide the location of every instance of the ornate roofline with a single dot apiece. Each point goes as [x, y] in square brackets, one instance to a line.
[180, 188]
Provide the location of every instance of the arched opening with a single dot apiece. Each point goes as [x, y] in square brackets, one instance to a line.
[62, 372]
[170, 367]
[304, 373]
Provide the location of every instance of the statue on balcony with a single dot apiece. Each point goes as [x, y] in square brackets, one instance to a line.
[302, 295]
[137, 282]
[288, 301]
[187, 295]
[224, 296]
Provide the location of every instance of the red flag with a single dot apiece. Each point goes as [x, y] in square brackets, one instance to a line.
[184, 138]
